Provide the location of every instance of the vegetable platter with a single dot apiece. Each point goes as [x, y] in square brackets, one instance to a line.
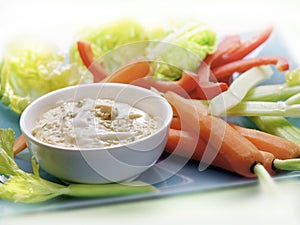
[172, 174]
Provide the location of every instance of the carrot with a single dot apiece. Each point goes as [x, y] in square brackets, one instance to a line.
[243, 65]
[130, 72]
[269, 162]
[19, 144]
[87, 57]
[182, 143]
[179, 143]
[183, 86]
[280, 147]
[235, 153]
[176, 123]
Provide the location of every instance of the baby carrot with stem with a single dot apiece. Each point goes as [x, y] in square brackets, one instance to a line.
[234, 152]
[281, 148]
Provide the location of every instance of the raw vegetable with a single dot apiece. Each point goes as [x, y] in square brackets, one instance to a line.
[238, 89]
[242, 48]
[130, 72]
[33, 69]
[279, 126]
[183, 86]
[105, 38]
[272, 92]
[243, 65]
[185, 48]
[254, 108]
[292, 78]
[19, 144]
[221, 159]
[281, 148]
[231, 150]
[87, 56]
[19, 186]
[179, 143]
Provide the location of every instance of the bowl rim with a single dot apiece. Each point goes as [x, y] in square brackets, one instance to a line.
[166, 123]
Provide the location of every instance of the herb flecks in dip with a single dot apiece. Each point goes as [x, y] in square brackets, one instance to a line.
[90, 123]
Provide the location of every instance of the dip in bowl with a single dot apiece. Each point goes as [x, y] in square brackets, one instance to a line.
[97, 133]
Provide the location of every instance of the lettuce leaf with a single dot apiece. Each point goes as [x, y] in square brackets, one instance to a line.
[29, 70]
[107, 37]
[293, 77]
[183, 49]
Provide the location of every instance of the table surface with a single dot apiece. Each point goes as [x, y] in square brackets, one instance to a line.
[251, 204]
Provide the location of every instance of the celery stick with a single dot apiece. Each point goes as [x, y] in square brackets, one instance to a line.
[264, 178]
[106, 190]
[295, 99]
[238, 89]
[254, 108]
[273, 93]
[287, 164]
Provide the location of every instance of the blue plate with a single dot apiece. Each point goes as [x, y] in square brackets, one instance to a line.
[186, 180]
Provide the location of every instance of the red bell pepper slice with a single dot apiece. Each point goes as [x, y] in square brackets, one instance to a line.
[87, 57]
[244, 49]
[228, 44]
[243, 65]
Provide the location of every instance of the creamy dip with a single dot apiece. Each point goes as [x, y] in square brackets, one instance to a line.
[90, 123]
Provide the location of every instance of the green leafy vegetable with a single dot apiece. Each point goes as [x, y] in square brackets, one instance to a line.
[184, 48]
[30, 70]
[19, 186]
[293, 77]
[108, 37]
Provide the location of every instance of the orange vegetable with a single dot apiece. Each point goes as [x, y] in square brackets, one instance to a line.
[268, 162]
[234, 152]
[184, 144]
[281, 148]
[176, 123]
[19, 144]
[179, 143]
[130, 72]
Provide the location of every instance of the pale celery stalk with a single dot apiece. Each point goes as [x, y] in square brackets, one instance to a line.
[254, 108]
[272, 92]
[238, 89]
[287, 164]
[295, 99]
[264, 178]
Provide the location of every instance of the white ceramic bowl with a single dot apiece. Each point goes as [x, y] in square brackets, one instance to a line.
[103, 165]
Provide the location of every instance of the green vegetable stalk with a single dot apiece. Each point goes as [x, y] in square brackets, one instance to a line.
[19, 186]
